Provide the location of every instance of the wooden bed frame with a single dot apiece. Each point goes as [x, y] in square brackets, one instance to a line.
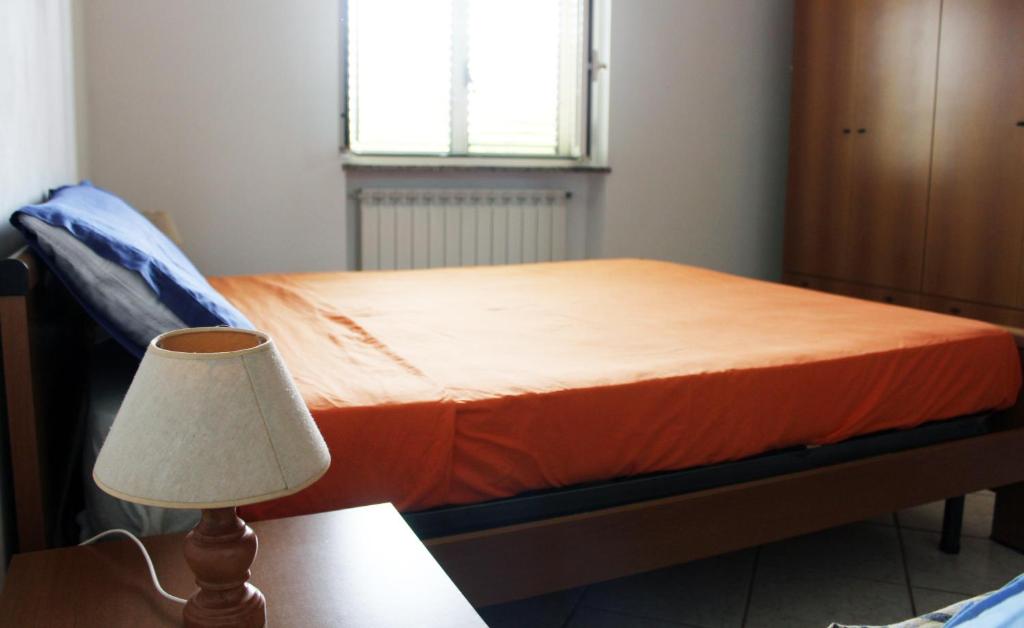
[44, 339]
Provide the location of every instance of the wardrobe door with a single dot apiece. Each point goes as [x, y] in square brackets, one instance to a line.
[989, 313]
[896, 51]
[820, 137]
[976, 221]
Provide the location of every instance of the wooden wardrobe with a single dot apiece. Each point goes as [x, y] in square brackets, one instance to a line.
[906, 156]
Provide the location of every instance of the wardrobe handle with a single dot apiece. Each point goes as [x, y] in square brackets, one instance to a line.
[1020, 123]
[862, 131]
[846, 131]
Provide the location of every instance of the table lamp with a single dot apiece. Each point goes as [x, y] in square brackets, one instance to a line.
[213, 421]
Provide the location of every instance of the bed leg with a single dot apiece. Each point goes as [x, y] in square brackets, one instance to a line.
[952, 525]
[1008, 518]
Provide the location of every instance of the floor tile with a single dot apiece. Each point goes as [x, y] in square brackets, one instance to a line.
[852, 574]
[597, 618]
[860, 550]
[545, 611]
[928, 600]
[980, 566]
[708, 593]
[977, 515]
[888, 519]
[785, 598]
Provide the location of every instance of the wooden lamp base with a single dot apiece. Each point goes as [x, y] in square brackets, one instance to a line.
[220, 550]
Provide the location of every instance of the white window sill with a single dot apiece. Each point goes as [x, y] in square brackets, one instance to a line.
[367, 163]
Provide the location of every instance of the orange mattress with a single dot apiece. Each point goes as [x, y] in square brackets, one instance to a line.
[461, 385]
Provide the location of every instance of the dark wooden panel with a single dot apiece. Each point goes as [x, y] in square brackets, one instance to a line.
[44, 339]
[896, 48]
[1009, 513]
[1008, 517]
[819, 150]
[976, 222]
[992, 314]
[874, 293]
[850, 289]
[804, 281]
[30, 474]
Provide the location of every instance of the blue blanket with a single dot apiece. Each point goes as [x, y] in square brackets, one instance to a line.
[115, 231]
[999, 609]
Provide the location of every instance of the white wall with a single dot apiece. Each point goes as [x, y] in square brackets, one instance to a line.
[37, 119]
[698, 130]
[37, 137]
[225, 114]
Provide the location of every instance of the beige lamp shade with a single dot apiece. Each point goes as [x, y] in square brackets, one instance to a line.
[211, 420]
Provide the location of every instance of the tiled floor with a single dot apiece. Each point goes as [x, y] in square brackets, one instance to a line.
[879, 571]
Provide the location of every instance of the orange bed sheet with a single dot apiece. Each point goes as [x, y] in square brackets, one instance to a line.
[462, 385]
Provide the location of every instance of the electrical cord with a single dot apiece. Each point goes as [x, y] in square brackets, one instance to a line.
[145, 554]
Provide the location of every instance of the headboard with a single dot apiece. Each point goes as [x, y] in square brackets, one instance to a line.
[44, 340]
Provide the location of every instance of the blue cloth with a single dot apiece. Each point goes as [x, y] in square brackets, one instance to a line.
[117, 232]
[1002, 609]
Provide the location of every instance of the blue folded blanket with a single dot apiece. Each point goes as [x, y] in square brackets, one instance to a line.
[125, 272]
[999, 609]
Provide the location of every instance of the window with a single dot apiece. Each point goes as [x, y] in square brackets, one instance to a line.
[470, 78]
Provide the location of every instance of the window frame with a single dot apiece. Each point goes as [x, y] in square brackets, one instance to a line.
[591, 74]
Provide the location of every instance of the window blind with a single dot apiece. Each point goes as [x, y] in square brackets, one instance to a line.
[466, 77]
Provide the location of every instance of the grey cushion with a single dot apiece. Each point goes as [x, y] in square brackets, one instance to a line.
[120, 294]
[110, 373]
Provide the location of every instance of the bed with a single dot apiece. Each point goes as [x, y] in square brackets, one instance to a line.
[457, 386]
[547, 426]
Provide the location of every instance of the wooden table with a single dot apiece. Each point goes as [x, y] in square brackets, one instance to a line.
[356, 567]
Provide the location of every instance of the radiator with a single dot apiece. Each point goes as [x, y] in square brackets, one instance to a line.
[404, 228]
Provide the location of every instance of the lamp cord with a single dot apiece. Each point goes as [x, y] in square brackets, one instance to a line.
[145, 554]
